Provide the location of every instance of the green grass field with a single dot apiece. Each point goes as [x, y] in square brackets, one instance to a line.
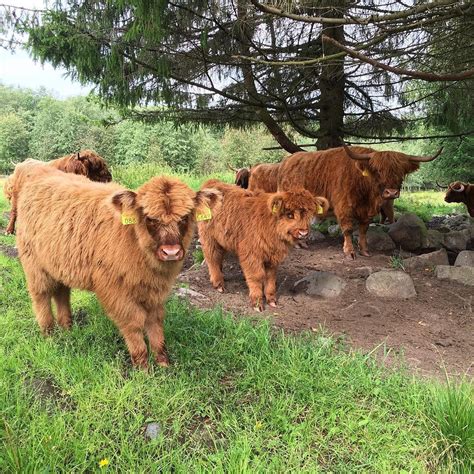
[239, 397]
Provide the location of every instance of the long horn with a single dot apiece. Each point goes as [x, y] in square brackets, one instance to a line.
[232, 168]
[442, 186]
[424, 159]
[457, 190]
[356, 156]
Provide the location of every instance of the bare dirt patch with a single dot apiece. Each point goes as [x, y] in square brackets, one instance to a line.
[9, 251]
[434, 330]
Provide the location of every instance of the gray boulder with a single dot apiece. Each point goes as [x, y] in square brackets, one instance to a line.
[434, 239]
[409, 232]
[427, 260]
[457, 240]
[323, 284]
[465, 259]
[463, 275]
[315, 236]
[458, 222]
[334, 230]
[387, 284]
[379, 240]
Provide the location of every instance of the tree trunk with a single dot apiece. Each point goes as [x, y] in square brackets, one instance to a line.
[331, 85]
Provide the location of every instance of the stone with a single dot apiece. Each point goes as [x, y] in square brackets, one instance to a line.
[427, 260]
[361, 272]
[323, 284]
[187, 292]
[315, 236]
[334, 230]
[391, 284]
[457, 240]
[463, 275]
[434, 239]
[379, 240]
[458, 222]
[409, 232]
[152, 430]
[465, 259]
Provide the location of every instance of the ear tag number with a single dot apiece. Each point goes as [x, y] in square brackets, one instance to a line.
[319, 209]
[365, 173]
[128, 219]
[204, 215]
[274, 209]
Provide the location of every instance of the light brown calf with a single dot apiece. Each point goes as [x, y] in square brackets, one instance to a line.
[260, 229]
[127, 247]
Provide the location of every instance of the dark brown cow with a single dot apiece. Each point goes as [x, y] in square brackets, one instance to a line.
[355, 180]
[461, 192]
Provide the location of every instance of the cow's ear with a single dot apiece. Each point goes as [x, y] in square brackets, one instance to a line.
[321, 206]
[207, 198]
[124, 200]
[275, 203]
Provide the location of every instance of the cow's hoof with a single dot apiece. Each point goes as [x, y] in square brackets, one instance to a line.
[365, 253]
[162, 360]
[272, 303]
[220, 289]
[349, 255]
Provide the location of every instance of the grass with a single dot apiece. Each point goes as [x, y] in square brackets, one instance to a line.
[427, 204]
[239, 397]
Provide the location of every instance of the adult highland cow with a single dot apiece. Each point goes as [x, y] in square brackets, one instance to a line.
[86, 163]
[127, 247]
[355, 180]
[260, 229]
[461, 192]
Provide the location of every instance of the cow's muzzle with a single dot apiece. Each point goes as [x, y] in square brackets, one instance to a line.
[300, 233]
[168, 253]
[390, 193]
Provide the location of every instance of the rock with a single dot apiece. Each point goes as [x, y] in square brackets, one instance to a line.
[427, 260]
[187, 292]
[152, 430]
[458, 222]
[465, 259]
[361, 272]
[379, 240]
[323, 284]
[434, 239]
[334, 230]
[387, 284]
[457, 240]
[315, 236]
[463, 275]
[409, 232]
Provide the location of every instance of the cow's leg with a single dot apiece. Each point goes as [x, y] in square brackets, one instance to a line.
[389, 212]
[255, 276]
[129, 318]
[270, 285]
[13, 214]
[156, 335]
[42, 309]
[363, 247]
[214, 255]
[62, 298]
[346, 228]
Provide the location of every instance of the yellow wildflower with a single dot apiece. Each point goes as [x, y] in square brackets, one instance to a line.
[258, 425]
[103, 462]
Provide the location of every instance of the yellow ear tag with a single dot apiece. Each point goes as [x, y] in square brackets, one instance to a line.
[128, 219]
[365, 173]
[204, 216]
[274, 209]
[319, 209]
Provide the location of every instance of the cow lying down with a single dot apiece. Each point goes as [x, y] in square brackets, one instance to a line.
[127, 247]
[86, 163]
[260, 229]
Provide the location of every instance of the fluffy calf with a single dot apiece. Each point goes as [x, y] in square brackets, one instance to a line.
[260, 229]
[127, 247]
[461, 192]
[355, 180]
[86, 163]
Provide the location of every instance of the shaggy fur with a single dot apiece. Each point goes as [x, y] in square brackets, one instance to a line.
[332, 174]
[71, 235]
[387, 212]
[260, 229]
[466, 196]
[86, 163]
[264, 177]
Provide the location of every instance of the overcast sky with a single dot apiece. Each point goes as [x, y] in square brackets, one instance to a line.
[18, 69]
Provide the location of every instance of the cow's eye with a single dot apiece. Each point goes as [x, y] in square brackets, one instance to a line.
[290, 215]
